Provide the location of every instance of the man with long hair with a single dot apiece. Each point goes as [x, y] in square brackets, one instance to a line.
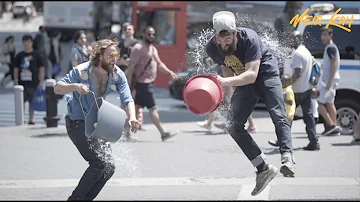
[101, 76]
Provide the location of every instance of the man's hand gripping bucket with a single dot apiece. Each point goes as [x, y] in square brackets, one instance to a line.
[202, 94]
[104, 120]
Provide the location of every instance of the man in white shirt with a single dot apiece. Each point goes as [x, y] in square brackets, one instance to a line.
[301, 66]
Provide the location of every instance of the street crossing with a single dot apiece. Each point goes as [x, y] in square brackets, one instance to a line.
[7, 108]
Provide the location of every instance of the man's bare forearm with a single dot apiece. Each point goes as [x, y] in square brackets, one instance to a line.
[42, 74]
[163, 68]
[332, 72]
[63, 88]
[130, 108]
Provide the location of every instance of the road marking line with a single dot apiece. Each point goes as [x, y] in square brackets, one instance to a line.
[179, 181]
[245, 193]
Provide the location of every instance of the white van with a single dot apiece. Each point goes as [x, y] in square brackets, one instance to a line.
[347, 100]
[68, 16]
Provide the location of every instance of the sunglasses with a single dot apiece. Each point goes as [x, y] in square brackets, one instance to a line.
[151, 34]
[116, 54]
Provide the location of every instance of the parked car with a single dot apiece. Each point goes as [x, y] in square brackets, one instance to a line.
[347, 99]
[19, 8]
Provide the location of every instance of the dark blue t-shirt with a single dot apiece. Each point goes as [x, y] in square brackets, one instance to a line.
[249, 48]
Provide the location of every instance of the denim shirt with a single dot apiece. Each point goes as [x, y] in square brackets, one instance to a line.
[82, 74]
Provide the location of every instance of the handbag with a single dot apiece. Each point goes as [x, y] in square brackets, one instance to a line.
[133, 81]
[39, 100]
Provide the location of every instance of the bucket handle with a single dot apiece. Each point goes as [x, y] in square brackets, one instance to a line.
[82, 109]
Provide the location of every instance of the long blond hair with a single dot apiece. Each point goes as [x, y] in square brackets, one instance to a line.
[99, 47]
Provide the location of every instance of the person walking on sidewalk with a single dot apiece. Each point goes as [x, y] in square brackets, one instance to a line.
[241, 50]
[141, 73]
[29, 71]
[300, 81]
[101, 76]
[328, 83]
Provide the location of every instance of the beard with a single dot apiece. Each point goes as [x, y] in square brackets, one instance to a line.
[229, 51]
[149, 41]
[108, 67]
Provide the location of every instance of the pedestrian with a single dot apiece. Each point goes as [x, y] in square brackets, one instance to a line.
[328, 83]
[241, 50]
[301, 65]
[97, 75]
[55, 53]
[125, 47]
[141, 74]
[29, 72]
[39, 45]
[9, 53]
[290, 105]
[79, 52]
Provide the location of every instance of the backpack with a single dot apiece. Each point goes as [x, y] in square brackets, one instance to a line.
[315, 72]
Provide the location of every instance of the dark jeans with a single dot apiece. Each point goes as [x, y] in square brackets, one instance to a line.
[243, 101]
[101, 164]
[304, 100]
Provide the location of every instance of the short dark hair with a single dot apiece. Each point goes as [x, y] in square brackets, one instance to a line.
[328, 30]
[147, 28]
[27, 37]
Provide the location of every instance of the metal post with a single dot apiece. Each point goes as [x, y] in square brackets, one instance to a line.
[51, 118]
[19, 104]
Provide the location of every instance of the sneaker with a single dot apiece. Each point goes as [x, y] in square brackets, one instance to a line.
[274, 143]
[263, 179]
[204, 124]
[329, 129]
[288, 167]
[168, 135]
[312, 147]
[221, 126]
[334, 133]
[31, 123]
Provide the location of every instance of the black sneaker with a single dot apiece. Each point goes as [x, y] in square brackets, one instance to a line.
[274, 143]
[31, 123]
[312, 147]
[329, 129]
[168, 135]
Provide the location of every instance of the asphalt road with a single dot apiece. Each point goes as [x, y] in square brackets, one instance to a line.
[41, 163]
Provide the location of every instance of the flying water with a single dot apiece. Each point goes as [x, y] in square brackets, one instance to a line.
[204, 65]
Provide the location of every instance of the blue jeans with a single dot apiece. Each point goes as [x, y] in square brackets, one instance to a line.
[267, 87]
[101, 164]
[304, 100]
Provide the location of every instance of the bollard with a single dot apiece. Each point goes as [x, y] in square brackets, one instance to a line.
[51, 118]
[19, 104]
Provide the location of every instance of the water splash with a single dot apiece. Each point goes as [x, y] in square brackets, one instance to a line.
[119, 155]
[267, 34]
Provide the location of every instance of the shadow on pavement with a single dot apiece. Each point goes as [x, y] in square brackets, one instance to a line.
[276, 150]
[49, 135]
[353, 143]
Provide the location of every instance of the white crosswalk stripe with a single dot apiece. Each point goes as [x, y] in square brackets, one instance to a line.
[7, 108]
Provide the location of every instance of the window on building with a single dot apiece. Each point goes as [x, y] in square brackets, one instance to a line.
[163, 22]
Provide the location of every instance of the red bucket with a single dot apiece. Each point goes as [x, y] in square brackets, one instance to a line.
[202, 94]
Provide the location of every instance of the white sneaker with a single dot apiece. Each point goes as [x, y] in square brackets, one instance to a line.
[205, 124]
